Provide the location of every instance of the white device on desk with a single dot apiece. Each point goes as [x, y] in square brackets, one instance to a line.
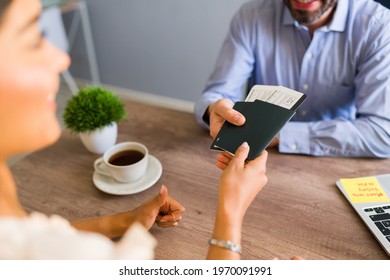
[369, 196]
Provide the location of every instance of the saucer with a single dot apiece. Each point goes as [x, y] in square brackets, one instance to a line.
[109, 185]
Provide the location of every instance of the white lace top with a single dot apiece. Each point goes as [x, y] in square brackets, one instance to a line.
[42, 237]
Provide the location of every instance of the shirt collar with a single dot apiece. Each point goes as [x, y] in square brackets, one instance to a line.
[337, 23]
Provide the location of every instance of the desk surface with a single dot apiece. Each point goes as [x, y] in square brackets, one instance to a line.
[299, 212]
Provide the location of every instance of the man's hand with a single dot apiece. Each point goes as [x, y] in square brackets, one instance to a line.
[274, 142]
[221, 111]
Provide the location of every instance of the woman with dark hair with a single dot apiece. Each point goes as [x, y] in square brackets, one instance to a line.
[29, 79]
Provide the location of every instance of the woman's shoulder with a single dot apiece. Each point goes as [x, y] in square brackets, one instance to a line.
[51, 237]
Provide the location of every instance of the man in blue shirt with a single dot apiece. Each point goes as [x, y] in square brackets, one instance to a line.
[336, 52]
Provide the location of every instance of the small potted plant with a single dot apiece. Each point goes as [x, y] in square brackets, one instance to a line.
[93, 113]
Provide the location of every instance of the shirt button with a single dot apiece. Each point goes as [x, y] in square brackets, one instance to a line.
[293, 147]
[309, 55]
[305, 87]
[327, 152]
[303, 113]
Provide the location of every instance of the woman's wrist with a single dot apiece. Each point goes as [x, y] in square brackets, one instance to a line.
[227, 226]
[225, 242]
[232, 214]
[122, 221]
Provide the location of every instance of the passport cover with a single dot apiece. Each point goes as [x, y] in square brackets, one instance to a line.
[263, 122]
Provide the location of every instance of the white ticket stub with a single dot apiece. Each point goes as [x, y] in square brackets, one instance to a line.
[278, 95]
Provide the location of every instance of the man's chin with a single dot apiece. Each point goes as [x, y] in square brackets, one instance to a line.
[308, 17]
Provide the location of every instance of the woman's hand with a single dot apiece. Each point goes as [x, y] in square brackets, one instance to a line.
[162, 209]
[239, 184]
[240, 181]
[293, 258]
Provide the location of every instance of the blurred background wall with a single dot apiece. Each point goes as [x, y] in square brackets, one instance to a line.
[167, 48]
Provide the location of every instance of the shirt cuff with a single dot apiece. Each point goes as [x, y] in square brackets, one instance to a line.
[201, 107]
[294, 138]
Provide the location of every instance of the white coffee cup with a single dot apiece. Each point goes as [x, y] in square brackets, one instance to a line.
[125, 162]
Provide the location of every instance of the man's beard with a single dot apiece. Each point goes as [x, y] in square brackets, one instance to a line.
[306, 17]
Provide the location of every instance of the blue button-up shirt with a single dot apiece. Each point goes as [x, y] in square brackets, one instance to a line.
[344, 69]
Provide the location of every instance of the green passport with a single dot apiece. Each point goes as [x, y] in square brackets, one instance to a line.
[263, 122]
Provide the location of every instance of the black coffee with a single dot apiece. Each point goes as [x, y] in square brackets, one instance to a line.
[126, 157]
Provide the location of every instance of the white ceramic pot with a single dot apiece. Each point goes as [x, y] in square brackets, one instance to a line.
[101, 140]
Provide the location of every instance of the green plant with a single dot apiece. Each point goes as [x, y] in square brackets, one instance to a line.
[93, 108]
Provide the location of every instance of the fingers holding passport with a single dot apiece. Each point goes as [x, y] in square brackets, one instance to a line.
[221, 111]
[224, 158]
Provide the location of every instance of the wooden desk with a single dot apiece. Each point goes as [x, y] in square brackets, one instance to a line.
[300, 211]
